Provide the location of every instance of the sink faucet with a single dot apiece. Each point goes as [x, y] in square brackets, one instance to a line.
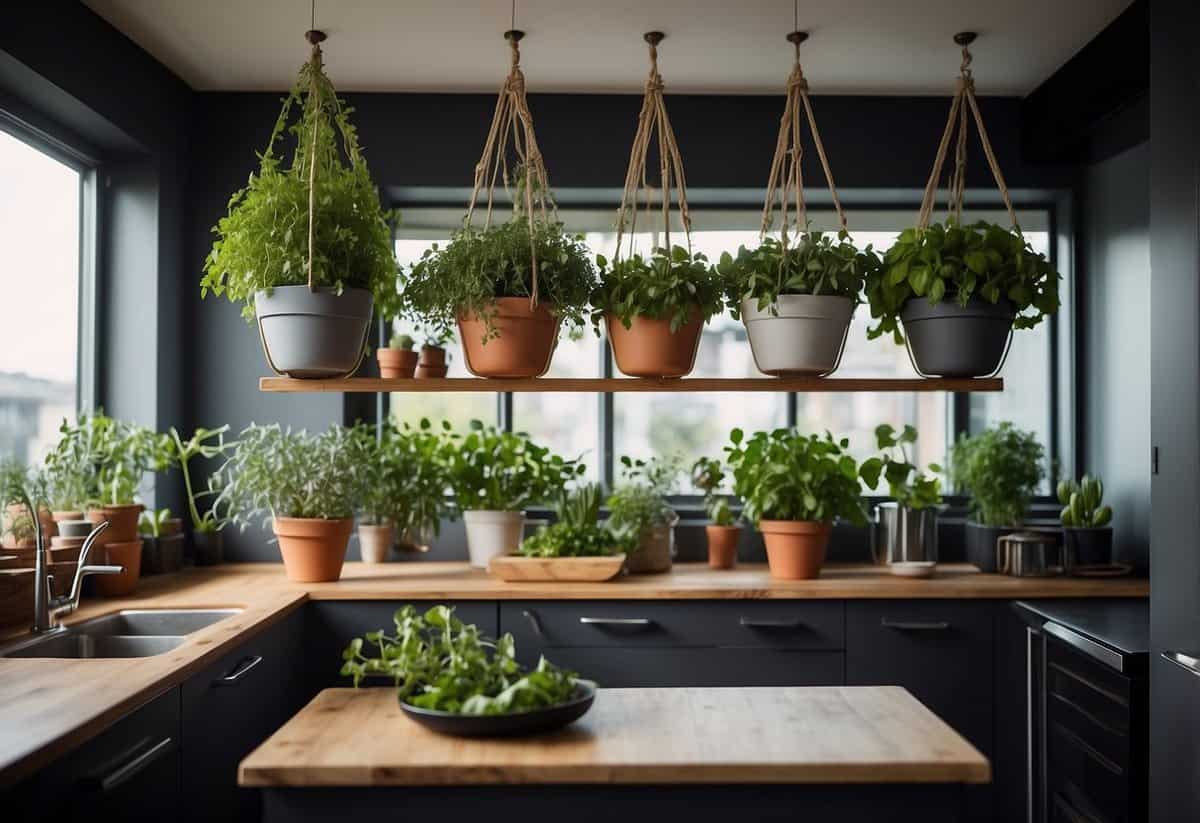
[47, 608]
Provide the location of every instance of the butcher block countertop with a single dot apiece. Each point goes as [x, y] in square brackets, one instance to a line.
[865, 734]
[48, 707]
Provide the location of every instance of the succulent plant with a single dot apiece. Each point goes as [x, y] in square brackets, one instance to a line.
[1081, 503]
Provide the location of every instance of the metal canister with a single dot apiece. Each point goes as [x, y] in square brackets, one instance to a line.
[900, 534]
[1029, 554]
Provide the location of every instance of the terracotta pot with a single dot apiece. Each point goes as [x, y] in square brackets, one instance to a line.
[18, 558]
[432, 363]
[648, 348]
[396, 363]
[523, 344]
[122, 522]
[313, 549]
[59, 517]
[795, 548]
[722, 545]
[62, 575]
[65, 554]
[375, 542]
[127, 554]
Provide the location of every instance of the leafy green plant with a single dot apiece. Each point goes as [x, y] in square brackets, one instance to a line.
[125, 453]
[263, 241]
[479, 265]
[667, 285]
[639, 502]
[201, 444]
[906, 484]
[405, 479]
[491, 470]
[438, 662]
[707, 476]
[1081, 503]
[69, 470]
[816, 263]
[403, 342]
[785, 475]
[15, 476]
[150, 523]
[954, 262]
[1000, 468]
[577, 531]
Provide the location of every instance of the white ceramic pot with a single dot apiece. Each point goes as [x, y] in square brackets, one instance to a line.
[492, 533]
[375, 542]
[800, 334]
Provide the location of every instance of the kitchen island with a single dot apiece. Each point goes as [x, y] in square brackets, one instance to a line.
[844, 753]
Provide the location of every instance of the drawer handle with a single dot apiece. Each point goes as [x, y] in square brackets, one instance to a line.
[239, 671]
[137, 761]
[1183, 661]
[534, 622]
[915, 625]
[755, 623]
[618, 622]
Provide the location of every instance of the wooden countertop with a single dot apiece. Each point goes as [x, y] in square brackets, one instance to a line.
[48, 707]
[865, 734]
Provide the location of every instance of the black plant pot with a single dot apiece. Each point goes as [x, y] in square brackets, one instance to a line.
[981, 544]
[207, 548]
[949, 340]
[162, 555]
[1087, 546]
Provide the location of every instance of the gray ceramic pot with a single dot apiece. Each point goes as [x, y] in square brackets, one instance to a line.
[981, 544]
[949, 340]
[800, 334]
[314, 334]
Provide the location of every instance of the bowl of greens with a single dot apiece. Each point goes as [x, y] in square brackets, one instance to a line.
[453, 680]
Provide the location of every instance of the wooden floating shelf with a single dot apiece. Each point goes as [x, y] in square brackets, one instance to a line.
[598, 384]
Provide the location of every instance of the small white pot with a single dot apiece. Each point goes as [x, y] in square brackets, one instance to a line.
[492, 533]
[804, 335]
[375, 542]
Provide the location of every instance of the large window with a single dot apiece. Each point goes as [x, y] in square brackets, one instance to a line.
[39, 296]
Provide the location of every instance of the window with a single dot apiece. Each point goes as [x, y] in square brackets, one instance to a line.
[40, 356]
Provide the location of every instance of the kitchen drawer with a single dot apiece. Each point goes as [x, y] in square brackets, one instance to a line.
[813, 625]
[658, 667]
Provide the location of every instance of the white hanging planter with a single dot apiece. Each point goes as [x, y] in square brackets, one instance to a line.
[799, 334]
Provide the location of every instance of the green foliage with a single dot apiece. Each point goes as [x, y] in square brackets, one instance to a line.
[150, 522]
[208, 444]
[785, 475]
[404, 477]
[1000, 468]
[404, 343]
[953, 262]
[668, 284]
[263, 241]
[815, 264]
[906, 484]
[491, 470]
[708, 475]
[69, 471]
[124, 454]
[577, 531]
[1081, 503]
[15, 477]
[438, 662]
[479, 265]
[639, 502]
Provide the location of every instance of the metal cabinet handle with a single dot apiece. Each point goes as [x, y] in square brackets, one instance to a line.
[915, 625]
[622, 622]
[755, 623]
[239, 671]
[1184, 661]
[137, 761]
[1030, 745]
[534, 622]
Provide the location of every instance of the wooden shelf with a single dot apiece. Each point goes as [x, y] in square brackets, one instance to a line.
[595, 384]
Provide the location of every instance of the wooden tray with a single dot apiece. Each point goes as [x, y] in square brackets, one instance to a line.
[556, 569]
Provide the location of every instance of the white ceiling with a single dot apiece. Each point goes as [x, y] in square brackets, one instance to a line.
[857, 46]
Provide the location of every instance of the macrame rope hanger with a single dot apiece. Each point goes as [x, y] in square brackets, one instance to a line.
[315, 38]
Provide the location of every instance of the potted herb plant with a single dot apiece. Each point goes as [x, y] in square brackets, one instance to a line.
[305, 486]
[1086, 522]
[397, 360]
[495, 475]
[17, 526]
[162, 542]
[209, 444]
[655, 309]
[905, 530]
[959, 291]
[641, 515]
[433, 362]
[797, 300]
[69, 472]
[723, 532]
[1000, 468]
[577, 530]
[794, 487]
[305, 244]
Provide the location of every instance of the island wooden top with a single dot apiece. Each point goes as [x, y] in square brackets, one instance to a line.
[865, 734]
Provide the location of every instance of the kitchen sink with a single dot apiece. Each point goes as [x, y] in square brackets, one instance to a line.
[152, 622]
[129, 633]
[69, 644]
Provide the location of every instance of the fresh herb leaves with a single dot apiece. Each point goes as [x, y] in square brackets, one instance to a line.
[670, 284]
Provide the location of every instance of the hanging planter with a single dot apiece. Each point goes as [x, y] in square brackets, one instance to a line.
[952, 292]
[796, 295]
[506, 288]
[655, 308]
[306, 247]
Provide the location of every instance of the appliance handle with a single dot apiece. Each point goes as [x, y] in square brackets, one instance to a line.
[136, 761]
[239, 671]
[1184, 661]
[1030, 662]
[619, 622]
[915, 625]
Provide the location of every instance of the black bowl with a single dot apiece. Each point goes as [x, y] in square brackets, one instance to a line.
[521, 724]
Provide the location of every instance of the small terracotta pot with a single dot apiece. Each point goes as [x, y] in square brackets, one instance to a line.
[62, 575]
[18, 558]
[722, 545]
[313, 549]
[171, 526]
[122, 522]
[64, 554]
[523, 344]
[795, 548]
[648, 348]
[431, 364]
[396, 363]
[127, 554]
[375, 542]
[59, 517]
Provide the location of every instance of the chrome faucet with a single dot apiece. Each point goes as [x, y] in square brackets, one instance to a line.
[47, 609]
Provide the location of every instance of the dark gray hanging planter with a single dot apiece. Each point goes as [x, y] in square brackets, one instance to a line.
[314, 335]
[948, 340]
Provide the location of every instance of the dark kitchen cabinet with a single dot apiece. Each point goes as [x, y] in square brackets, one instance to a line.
[660, 667]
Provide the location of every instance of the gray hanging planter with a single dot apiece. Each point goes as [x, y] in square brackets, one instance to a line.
[948, 340]
[800, 334]
[314, 335]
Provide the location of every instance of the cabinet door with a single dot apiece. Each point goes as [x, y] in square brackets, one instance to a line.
[230, 708]
[651, 668]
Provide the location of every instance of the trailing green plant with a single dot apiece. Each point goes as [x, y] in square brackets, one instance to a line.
[1081, 503]
[785, 475]
[1000, 468]
[478, 265]
[954, 262]
[438, 662]
[405, 479]
[708, 476]
[639, 502]
[815, 263]
[577, 531]
[201, 444]
[668, 284]
[262, 242]
[907, 485]
[492, 470]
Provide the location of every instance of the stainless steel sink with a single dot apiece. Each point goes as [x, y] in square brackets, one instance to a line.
[69, 644]
[152, 622]
[129, 633]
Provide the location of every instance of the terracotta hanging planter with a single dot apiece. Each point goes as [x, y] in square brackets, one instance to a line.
[795, 548]
[396, 363]
[127, 554]
[313, 549]
[523, 342]
[648, 348]
[122, 522]
[722, 545]
[431, 363]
